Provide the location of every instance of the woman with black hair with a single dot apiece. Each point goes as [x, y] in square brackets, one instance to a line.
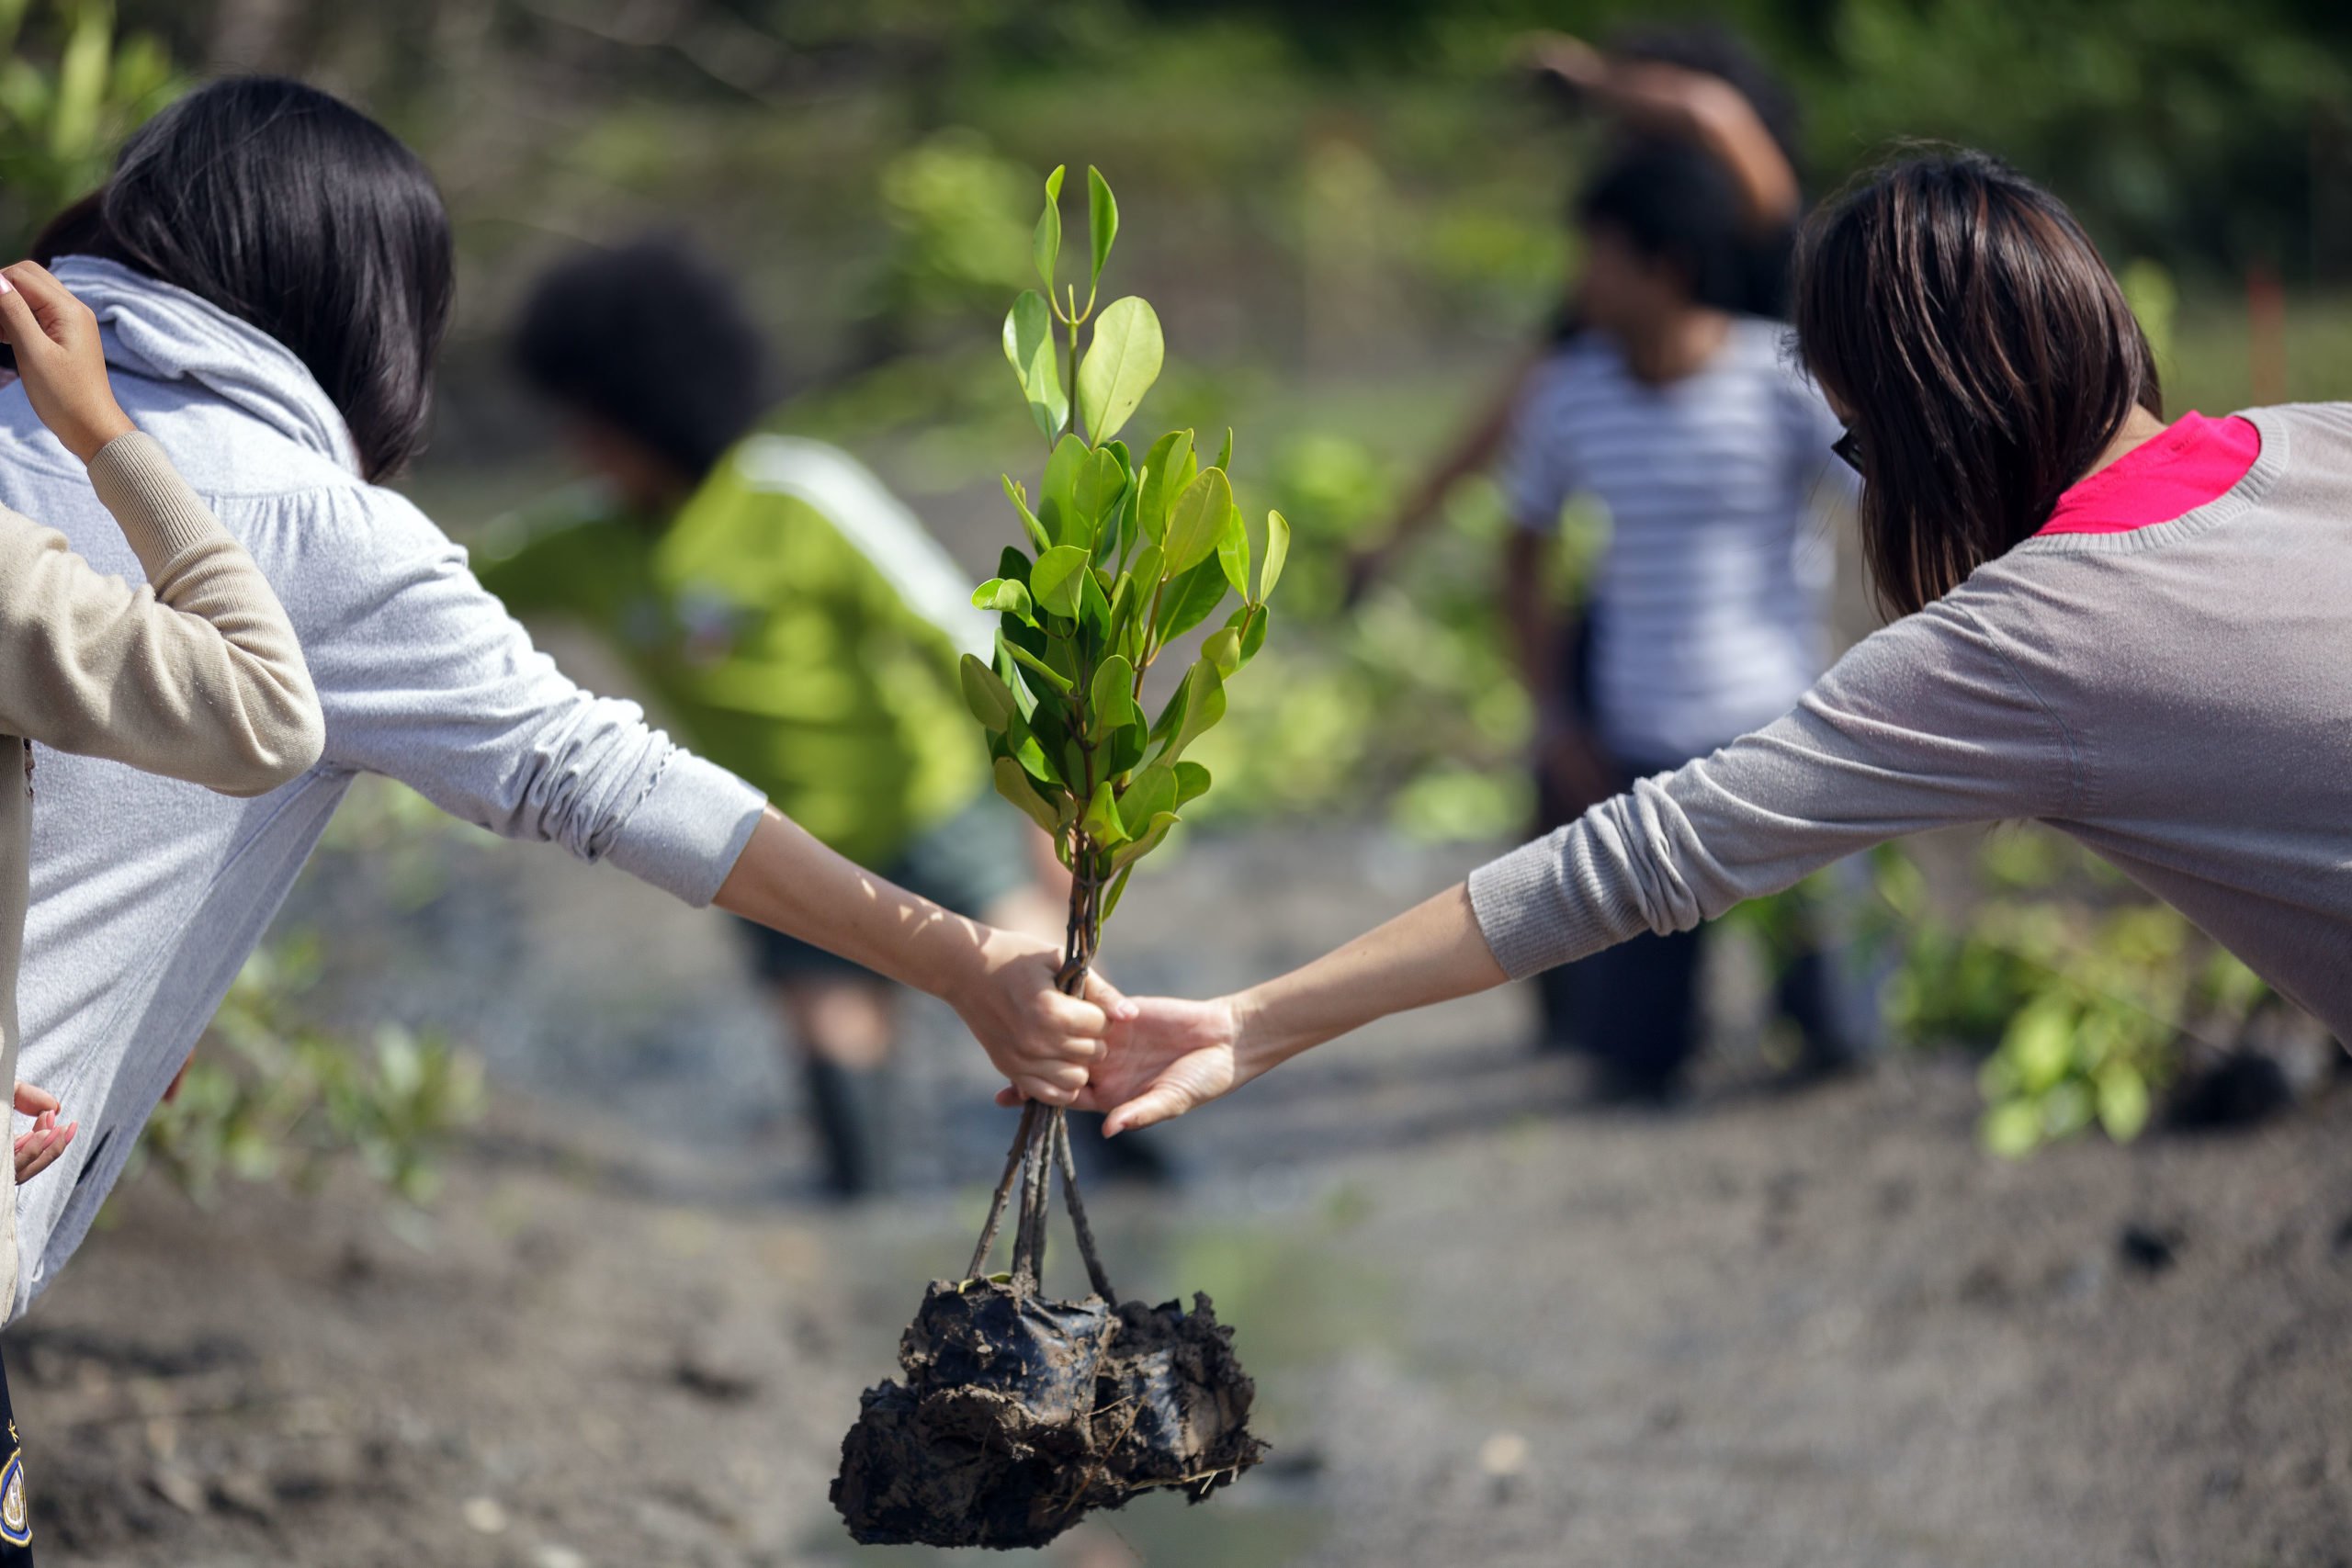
[2133, 631]
[273, 273]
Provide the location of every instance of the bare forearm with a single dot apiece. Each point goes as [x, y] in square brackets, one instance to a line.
[1432, 953]
[787, 881]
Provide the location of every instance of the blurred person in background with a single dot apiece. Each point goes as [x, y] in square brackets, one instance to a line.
[2132, 630]
[1665, 396]
[791, 615]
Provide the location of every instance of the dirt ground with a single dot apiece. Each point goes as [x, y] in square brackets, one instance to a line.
[1488, 1326]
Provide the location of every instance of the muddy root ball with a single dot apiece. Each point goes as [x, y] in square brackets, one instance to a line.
[1019, 1415]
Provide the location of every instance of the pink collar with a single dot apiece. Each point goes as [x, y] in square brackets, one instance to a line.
[2196, 460]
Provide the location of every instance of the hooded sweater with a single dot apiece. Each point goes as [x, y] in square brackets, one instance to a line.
[147, 894]
[195, 676]
[2178, 697]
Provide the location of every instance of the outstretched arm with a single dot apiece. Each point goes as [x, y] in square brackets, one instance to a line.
[1924, 725]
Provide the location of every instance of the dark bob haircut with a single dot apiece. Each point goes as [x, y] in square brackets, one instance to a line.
[1675, 205]
[296, 213]
[1983, 351]
[652, 339]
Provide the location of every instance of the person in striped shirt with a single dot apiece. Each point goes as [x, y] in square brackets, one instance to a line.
[1689, 425]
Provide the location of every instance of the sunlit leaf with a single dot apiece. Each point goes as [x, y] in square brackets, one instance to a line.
[1057, 579]
[1102, 222]
[1102, 819]
[1168, 468]
[1045, 246]
[1121, 364]
[1196, 525]
[1277, 555]
[1029, 344]
[987, 695]
[1014, 494]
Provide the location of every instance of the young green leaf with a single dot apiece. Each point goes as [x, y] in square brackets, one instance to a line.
[1014, 494]
[1192, 782]
[1203, 706]
[1102, 483]
[1014, 785]
[1190, 600]
[1045, 246]
[1121, 365]
[1029, 344]
[1111, 900]
[1113, 696]
[1145, 843]
[1167, 469]
[1233, 553]
[1102, 223]
[1277, 553]
[1005, 596]
[1224, 454]
[1149, 793]
[989, 698]
[1196, 525]
[1057, 579]
[1057, 495]
[1053, 677]
[1223, 649]
[1101, 820]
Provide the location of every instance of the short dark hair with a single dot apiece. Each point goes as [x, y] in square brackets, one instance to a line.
[1675, 205]
[651, 338]
[1983, 350]
[294, 212]
[1716, 50]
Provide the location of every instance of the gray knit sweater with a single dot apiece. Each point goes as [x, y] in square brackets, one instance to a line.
[2178, 698]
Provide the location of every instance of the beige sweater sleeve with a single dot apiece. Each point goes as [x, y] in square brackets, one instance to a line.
[197, 675]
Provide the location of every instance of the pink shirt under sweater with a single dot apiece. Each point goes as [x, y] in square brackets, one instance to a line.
[2195, 461]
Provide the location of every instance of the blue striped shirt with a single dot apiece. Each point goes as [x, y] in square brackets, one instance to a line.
[1711, 601]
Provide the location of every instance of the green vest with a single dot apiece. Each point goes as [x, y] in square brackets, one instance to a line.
[794, 619]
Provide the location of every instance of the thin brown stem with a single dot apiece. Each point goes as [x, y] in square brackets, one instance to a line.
[1003, 1192]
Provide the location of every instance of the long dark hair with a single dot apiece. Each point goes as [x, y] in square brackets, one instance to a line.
[292, 211]
[1983, 351]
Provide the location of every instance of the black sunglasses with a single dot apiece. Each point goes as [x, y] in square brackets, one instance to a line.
[1847, 449]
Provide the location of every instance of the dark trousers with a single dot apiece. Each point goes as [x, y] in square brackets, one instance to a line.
[1635, 1006]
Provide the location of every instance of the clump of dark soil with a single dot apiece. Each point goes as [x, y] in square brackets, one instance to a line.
[1020, 1414]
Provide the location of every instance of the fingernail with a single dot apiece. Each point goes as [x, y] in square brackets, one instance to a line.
[6, 287]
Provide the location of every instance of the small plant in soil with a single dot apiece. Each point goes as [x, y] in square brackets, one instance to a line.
[1020, 1414]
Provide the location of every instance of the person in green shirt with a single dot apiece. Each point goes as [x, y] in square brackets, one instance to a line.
[792, 617]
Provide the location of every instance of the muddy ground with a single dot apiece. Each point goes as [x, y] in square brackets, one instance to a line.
[1488, 1326]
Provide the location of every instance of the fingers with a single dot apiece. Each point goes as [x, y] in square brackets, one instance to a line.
[1071, 1016]
[38, 1150]
[1114, 1002]
[19, 325]
[1153, 1105]
[33, 1099]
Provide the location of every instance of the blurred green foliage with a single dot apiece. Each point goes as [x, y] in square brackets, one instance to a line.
[271, 1097]
[70, 90]
[2081, 992]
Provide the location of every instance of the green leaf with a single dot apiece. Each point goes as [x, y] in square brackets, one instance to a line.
[1149, 793]
[1014, 494]
[1094, 604]
[1167, 469]
[1100, 485]
[1145, 843]
[1054, 678]
[1101, 222]
[1277, 553]
[1113, 695]
[1190, 600]
[1111, 900]
[1224, 454]
[1057, 495]
[1233, 553]
[1015, 787]
[1253, 619]
[1101, 820]
[1121, 364]
[1196, 525]
[1223, 649]
[1004, 595]
[988, 697]
[1045, 246]
[1192, 782]
[1029, 344]
[1057, 579]
[1202, 695]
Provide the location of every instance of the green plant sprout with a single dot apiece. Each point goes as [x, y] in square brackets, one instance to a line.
[1130, 554]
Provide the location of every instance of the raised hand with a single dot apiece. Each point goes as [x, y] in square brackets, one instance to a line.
[38, 1150]
[59, 358]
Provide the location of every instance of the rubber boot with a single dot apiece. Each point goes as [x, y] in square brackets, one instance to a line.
[849, 1108]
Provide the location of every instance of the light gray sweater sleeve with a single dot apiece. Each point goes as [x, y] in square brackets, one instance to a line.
[1923, 724]
[426, 679]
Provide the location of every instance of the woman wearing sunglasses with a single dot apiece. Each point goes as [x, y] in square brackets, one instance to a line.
[2137, 632]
